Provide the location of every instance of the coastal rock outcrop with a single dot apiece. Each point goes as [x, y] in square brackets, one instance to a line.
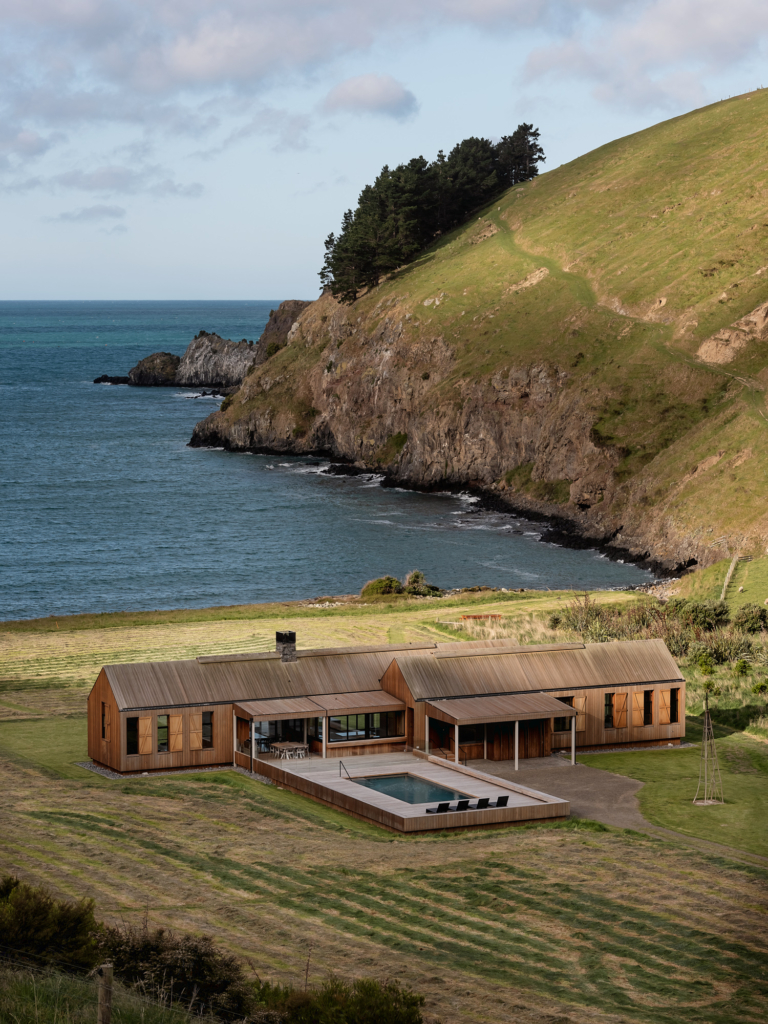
[214, 362]
[157, 370]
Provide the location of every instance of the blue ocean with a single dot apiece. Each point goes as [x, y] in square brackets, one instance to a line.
[103, 507]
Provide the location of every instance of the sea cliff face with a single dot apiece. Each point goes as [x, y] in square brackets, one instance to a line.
[213, 362]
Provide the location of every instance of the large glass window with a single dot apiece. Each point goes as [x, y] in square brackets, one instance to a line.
[207, 729]
[162, 734]
[132, 736]
[470, 734]
[563, 724]
[674, 705]
[347, 728]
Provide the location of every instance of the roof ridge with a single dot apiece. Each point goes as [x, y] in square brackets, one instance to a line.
[316, 652]
[487, 652]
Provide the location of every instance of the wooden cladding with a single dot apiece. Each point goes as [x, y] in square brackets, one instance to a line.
[145, 735]
[196, 730]
[175, 736]
[620, 711]
[580, 706]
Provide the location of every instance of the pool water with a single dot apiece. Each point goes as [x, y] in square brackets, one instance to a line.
[410, 789]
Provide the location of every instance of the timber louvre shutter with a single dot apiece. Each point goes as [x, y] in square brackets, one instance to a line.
[196, 730]
[638, 709]
[145, 735]
[664, 707]
[580, 706]
[619, 711]
[174, 732]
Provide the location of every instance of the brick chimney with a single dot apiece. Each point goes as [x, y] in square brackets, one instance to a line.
[285, 644]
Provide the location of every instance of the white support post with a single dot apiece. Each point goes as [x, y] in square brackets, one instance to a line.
[517, 743]
[426, 741]
[325, 736]
[573, 740]
[485, 741]
[253, 745]
[456, 735]
[234, 739]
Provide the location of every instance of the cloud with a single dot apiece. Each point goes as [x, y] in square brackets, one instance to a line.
[89, 214]
[113, 179]
[657, 53]
[371, 94]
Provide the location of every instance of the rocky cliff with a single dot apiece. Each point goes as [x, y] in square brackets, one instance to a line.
[213, 362]
[557, 353]
[157, 370]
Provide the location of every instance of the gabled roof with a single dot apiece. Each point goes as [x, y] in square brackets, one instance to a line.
[261, 676]
[555, 667]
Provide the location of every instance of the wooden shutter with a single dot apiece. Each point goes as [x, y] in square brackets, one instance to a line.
[196, 730]
[664, 702]
[580, 706]
[638, 709]
[145, 735]
[174, 732]
[107, 723]
[619, 711]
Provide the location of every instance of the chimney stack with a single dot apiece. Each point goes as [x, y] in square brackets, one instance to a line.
[285, 644]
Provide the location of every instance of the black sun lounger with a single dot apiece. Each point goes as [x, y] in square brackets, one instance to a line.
[462, 805]
[481, 804]
[501, 802]
[440, 809]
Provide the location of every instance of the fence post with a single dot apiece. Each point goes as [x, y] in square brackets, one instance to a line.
[104, 975]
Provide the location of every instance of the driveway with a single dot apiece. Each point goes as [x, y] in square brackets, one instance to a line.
[593, 793]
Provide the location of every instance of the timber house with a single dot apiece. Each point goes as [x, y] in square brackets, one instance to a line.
[456, 702]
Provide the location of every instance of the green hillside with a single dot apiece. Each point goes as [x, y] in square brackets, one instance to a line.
[609, 276]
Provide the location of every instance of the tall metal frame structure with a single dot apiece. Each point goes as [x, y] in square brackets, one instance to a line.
[710, 783]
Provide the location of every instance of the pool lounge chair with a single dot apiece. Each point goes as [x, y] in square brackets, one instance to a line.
[501, 802]
[481, 804]
[440, 809]
[462, 805]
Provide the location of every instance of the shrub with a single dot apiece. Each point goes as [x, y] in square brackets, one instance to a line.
[187, 969]
[740, 668]
[38, 927]
[272, 349]
[416, 584]
[382, 585]
[425, 375]
[761, 687]
[705, 663]
[364, 1001]
[703, 614]
[751, 618]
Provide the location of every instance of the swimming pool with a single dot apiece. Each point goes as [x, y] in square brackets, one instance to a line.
[410, 789]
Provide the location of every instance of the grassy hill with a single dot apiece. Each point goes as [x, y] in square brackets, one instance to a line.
[580, 348]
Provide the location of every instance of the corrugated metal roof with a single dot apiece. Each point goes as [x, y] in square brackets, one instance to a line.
[276, 710]
[520, 707]
[507, 648]
[325, 652]
[610, 664]
[172, 683]
[359, 703]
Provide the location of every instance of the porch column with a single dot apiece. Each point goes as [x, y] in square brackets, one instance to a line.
[305, 731]
[485, 741]
[517, 742]
[573, 740]
[426, 742]
[234, 739]
[325, 736]
[253, 745]
[456, 734]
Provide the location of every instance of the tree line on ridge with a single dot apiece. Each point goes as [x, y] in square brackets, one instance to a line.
[410, 205]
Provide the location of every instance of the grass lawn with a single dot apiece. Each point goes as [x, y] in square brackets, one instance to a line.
[52, 745]
[671, 777]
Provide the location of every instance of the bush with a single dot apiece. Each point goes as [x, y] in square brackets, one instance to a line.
[37, 927]
[761, 687]
[751, 618]
[338, 1002]
[382, 585]
[272, 349]
[703, 614]
[740, 668]
[416, 584]
[187, 969]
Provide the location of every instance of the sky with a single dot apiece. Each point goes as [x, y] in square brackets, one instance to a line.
[204, 149]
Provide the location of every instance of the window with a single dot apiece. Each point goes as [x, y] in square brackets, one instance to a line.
[674, 705]
[648, 707]
[347, 728]
[132, 736]
[470, 734]
[207, 729]
[162, 734]
[103, 720]
[609, 711]
[564, 724]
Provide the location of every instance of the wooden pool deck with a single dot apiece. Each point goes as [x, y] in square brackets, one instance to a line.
[332, 781]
